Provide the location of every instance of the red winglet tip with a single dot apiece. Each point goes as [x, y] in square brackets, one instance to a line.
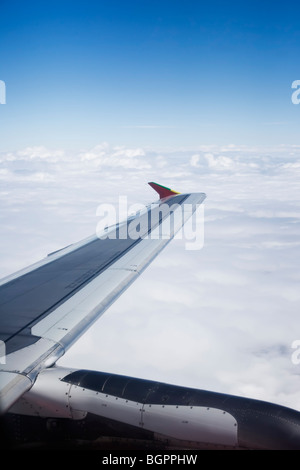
[162, 190]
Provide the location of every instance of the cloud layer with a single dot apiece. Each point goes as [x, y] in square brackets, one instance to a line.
[222, 318]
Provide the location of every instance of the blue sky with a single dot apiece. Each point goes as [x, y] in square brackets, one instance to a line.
[153, 73]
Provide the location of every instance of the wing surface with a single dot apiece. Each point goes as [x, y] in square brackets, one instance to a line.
[45, 308]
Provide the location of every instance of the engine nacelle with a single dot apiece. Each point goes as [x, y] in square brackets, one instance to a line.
[194, 418]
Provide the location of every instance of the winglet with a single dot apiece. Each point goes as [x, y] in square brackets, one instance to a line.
[162, 190]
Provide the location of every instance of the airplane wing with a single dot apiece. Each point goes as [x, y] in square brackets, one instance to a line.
[45, 308]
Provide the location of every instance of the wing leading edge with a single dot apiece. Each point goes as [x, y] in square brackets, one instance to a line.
[45, 308]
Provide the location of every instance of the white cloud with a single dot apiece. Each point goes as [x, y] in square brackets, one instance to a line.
[218, 162]
[104, 156]
[34, 153]
[194, 161]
